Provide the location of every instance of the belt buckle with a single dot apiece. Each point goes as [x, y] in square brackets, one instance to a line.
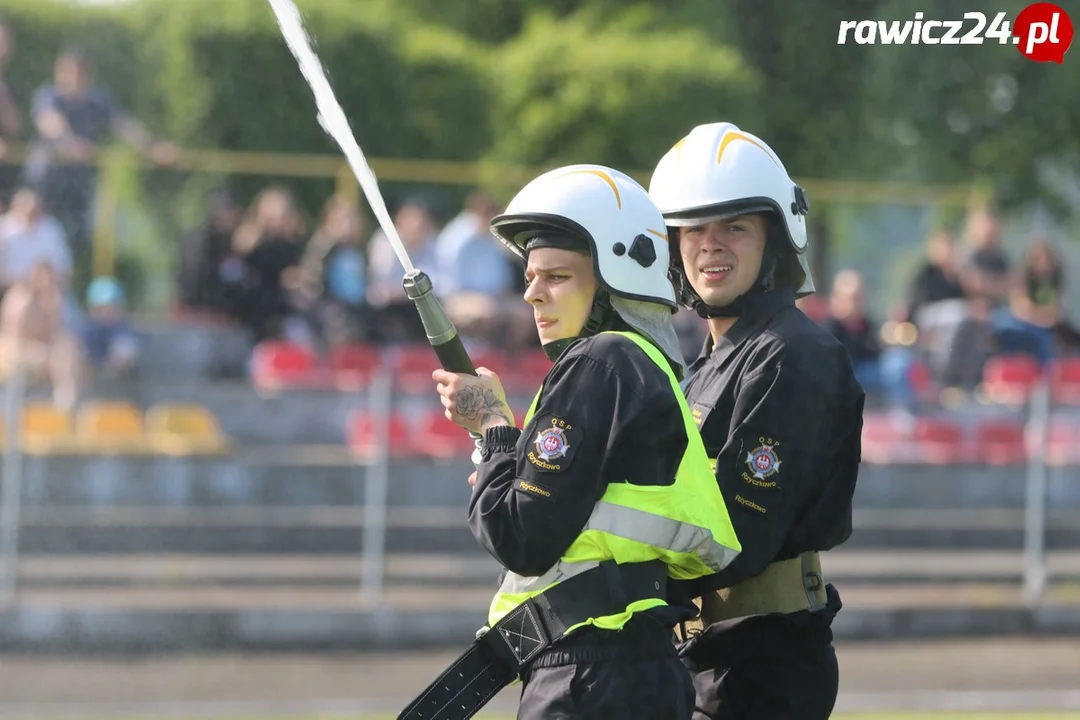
[813, 581]
[520, 636]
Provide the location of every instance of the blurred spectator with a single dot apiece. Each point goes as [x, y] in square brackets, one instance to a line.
[938, 279]
[71, 117]
[416, 229]
[27, 237]
[210, 270]
[477, 272]
[10, 122]
[986, 268]
[1034, 319]
[33, 332]
[109, 339]
[470, 258]
[883, 372]
[1037, 299]
[961, 360]
[471, 220]
[397, 320]
[849, 324]
[269, 241]
[331, 286]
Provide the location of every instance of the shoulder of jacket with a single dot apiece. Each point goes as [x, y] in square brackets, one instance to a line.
[617, 353]
[796, 342]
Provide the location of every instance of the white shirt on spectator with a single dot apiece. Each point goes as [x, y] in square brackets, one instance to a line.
[22, 247]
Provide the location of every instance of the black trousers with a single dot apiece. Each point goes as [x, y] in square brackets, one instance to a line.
[766, 668]
[597, 674]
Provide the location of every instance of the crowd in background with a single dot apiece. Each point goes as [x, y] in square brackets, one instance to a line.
[333, 281]
[337, 283]
[57, 320]
[968, 302]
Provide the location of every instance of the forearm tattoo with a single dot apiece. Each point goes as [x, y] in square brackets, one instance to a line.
[479, 404]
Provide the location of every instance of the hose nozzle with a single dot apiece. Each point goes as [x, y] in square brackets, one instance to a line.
[440, 332]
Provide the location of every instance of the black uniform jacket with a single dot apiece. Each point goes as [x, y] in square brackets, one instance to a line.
[780, 410]
[607, 414]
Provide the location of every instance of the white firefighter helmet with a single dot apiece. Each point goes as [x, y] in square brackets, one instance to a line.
[719, 171]
[624, 231]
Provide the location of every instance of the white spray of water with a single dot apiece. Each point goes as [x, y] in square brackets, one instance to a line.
[332, 118]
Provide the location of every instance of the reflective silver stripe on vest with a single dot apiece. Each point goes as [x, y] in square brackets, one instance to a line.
[638, 526]
[514, 583]
[659, 531]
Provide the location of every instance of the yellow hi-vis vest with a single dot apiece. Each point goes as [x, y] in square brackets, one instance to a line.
[685, 524]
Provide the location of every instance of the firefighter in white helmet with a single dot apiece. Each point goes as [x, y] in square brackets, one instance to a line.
[605, 492]
[780, 414]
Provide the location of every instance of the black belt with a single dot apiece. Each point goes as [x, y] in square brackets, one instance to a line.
[499, 655]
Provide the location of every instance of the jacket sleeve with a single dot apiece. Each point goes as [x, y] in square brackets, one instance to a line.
[537, 487]
[776, 447]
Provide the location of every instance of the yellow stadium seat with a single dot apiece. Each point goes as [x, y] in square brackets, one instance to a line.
[105, 426]
[185, 429]
[46, 429]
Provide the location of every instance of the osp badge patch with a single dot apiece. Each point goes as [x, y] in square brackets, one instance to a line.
[763, 461]
[551, 445]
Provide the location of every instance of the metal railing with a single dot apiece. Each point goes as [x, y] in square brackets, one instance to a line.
[375, 516]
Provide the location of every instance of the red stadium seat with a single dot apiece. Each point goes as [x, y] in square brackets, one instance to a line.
[279, 365]
[494, 360]
[1065, 381]
[1000, 442]
[354, 366]
[939, 442]
[438, 437]
[1008, 379]
[360, 433]
[411, 367]
[882, 440]
[1063, 442]
[527, 371]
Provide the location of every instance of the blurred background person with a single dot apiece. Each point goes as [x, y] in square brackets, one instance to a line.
[269, 243]
[210, 270]
[986, 269]
[29, 236]
[71, 118]
[477, 272]
[330, 287]
[849, 323]
[396, 319]
[1034, 321]
[939, 277]
[110, 341]
[35, 332]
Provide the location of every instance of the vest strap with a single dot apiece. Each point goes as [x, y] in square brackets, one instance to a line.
[505, 650]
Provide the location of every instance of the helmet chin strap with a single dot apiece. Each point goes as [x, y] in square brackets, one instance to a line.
[600, 315]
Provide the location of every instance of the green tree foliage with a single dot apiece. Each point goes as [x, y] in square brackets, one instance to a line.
[975, 112]
[539, 82]
[233, 83]
[618, 91]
